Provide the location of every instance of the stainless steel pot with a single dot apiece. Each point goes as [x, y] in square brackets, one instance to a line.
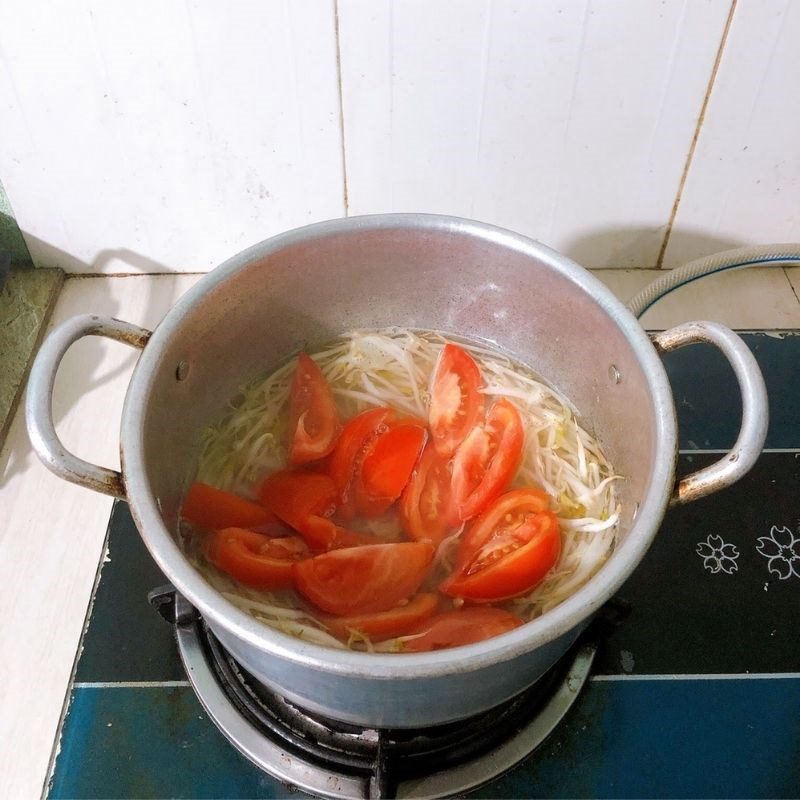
[301, 289]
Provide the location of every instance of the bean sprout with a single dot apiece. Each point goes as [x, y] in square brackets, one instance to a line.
[393, 367]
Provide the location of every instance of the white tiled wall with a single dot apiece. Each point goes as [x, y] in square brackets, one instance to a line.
[179, 131]
[569, 122]
[744, 183]
[168, 135]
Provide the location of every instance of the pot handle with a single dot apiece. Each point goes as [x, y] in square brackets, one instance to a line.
[39, 402]
[755, 408]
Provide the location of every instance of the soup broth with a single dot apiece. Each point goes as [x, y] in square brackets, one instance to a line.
[558, 490]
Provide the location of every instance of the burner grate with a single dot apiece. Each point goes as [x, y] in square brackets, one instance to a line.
[335, 759]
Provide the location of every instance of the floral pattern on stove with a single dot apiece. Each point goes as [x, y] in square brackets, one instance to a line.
[782, 549]
[717, 555]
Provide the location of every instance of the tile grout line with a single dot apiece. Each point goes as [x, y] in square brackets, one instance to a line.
[131, 684]
[696, 137]
[345, 198]
[93, 275]
[696, 676]
[791, 286]
[600, 678]
[721, 451]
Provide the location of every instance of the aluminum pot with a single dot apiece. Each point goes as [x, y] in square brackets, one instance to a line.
[303, 288]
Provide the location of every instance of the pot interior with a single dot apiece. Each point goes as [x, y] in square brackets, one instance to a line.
[302, 289]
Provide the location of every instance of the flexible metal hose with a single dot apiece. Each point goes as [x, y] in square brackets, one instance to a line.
[774, 254]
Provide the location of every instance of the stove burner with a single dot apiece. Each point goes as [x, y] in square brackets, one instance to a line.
[335, 759]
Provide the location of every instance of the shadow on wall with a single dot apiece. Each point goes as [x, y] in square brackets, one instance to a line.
[83, 360]
[626, 245]
[47, 255]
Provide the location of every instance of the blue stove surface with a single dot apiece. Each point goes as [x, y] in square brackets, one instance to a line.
[696, 694]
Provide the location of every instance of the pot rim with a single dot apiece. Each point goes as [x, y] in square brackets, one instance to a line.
[558, 621]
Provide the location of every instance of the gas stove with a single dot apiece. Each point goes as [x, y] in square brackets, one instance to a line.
[330, 758]
[688, 685]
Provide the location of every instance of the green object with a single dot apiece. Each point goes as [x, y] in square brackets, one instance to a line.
[27, 298]
[11, 238]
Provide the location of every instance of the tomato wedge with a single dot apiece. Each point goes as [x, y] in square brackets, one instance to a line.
[324, 534]
[385, 624]
[456, 404]
[293, 496]
[306, 501]
[254, 559]
[507, 551]
[387, 466]
[455, 628]
[425, 504]
[313, 418]
[345, 461]
[364, 580]
[208, 508]
[521, 501]
[486, 461]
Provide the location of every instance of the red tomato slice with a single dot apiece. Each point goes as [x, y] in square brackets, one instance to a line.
[293, 496]
[324, 534]
[425, 504]
[385, 624]
[487, 460]
[455, 628]
[387, 466]
[306, 501]
[508, 550]
[345, 461]
[256, 560]
[364, 580]
[523, 501]
[208, 508]
[313, 418]
[456, 404]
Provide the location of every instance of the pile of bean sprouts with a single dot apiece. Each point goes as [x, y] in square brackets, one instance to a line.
[393, 368]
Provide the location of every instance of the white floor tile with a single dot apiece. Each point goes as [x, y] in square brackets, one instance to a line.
[51, 532]
[744, 299]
